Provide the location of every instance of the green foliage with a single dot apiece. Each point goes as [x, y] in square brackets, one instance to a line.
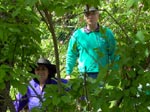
[24, 37]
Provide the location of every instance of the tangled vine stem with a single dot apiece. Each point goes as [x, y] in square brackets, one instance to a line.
[47, 16]
[129, 40]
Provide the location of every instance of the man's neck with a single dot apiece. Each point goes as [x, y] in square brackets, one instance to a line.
[92, 27]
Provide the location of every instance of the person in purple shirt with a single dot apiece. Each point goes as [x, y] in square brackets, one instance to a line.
[35, 90]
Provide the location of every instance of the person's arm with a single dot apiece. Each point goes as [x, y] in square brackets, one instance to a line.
[20, 102]
[72, 54]
[111, 50]
[111, 45]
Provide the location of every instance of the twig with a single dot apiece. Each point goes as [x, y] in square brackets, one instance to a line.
[117, 24]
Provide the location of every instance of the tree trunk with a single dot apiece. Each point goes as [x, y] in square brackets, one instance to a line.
[5, 99]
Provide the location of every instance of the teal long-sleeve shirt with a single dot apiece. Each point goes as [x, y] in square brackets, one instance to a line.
[92, 50]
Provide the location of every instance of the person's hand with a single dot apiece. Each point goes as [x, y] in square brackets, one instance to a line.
[68, 77]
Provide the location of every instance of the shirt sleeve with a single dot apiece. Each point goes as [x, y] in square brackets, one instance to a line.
[111, 49]
[20, 102]
[111, 45]
[72, 54]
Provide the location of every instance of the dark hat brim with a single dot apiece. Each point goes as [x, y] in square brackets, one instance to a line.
[43, 61]
[52, 68]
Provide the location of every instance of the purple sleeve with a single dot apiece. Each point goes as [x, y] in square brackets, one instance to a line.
[20, 102]
[64, 81]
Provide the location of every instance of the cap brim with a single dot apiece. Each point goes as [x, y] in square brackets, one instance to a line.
[91, 9]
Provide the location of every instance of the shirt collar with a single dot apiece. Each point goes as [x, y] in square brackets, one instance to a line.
[88, 31]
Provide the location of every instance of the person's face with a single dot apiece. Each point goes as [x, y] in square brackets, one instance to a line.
[43, 72]
[91, 17]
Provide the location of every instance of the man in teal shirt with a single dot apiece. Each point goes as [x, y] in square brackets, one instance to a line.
[92, 46]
